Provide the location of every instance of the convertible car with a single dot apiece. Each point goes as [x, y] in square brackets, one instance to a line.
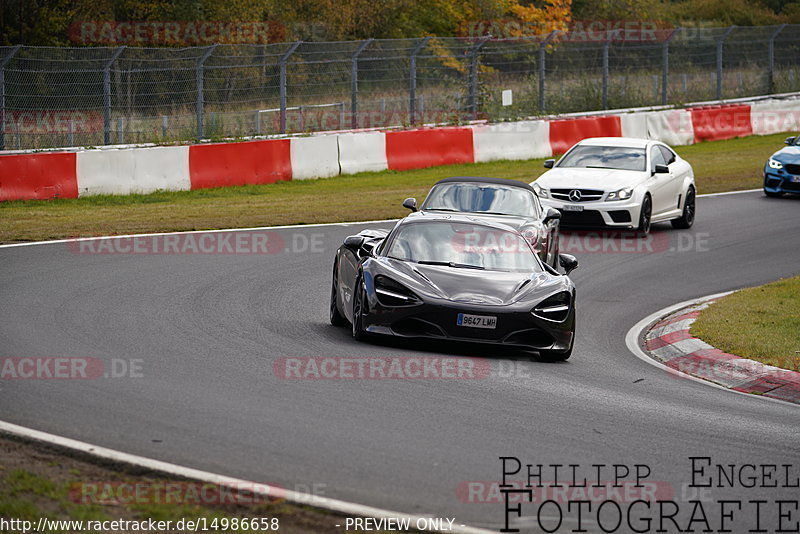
[508, 202]
[454, 277]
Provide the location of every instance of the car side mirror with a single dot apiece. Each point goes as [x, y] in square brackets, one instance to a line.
[354, 242]
[568, 262]
[549, 163]
[410, 203]
[551, 214]
[790, 140]
[661, 169]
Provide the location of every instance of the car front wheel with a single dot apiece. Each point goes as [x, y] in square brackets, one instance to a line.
[359, 299]
[645, 214]
[686, 220]
[555, 356]
[337, 319]
[773, 194]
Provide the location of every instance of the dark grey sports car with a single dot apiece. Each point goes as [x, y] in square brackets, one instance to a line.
[454, 277]
[509, 202]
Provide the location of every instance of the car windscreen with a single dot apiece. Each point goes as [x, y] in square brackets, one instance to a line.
[462, 245]
[605, 157]
[482, 198]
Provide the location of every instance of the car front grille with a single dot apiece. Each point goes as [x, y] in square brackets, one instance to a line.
[790, 186]
[792, 168]
[587, 195]
[582, 218]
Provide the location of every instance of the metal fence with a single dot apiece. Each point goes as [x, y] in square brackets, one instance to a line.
[51, 97]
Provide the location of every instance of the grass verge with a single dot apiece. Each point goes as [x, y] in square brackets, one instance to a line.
[719, 166]
[759, 323]
[37, 481]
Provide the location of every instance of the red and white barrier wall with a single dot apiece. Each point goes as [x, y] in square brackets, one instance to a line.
[775, 116]
[511, 140]
[135, 170]
[144, 170]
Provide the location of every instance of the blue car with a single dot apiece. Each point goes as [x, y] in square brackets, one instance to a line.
[782, 171]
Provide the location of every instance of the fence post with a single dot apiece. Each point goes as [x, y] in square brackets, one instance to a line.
[542, 49]
[412, 80]
[354, 83]
[472, 104]
[665, 67]
[606, 44]
[771, 60]
[284, 59]
[107, 95]
[200, 78]
[720, 41]
[3, 64]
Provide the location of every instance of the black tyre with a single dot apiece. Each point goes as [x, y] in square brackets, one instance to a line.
[337, 319]
[645, 214]
[773, 194]
[686, 219]
[359, 298]
[557, 251]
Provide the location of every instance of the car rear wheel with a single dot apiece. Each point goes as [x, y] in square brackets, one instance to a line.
[359, 298]
[337, 319]
[645, 214]
[773, 194]
[556, 250]
[686, 220]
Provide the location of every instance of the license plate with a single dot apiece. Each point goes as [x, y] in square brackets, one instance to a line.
[572, 207]
[796, 179]
[476, 321]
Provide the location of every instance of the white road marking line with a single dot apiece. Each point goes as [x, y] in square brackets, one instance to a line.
[221, 230]
[725, 193]
[334, 505]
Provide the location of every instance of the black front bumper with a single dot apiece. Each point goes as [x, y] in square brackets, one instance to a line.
[516, 325]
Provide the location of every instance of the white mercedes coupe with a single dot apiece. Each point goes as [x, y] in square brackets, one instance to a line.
[619, 182]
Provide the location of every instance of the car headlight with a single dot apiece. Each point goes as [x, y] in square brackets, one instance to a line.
[774, 164]
[623, 194]
[555, 308]
[391, 293]
[541, 191]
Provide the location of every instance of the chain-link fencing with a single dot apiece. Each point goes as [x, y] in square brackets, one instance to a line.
[90, 96]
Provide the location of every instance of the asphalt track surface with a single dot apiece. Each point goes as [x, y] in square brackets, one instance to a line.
[208, 328]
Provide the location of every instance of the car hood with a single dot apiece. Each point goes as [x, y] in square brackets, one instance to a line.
[789, 154]
[577, 178]
[472, 286]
